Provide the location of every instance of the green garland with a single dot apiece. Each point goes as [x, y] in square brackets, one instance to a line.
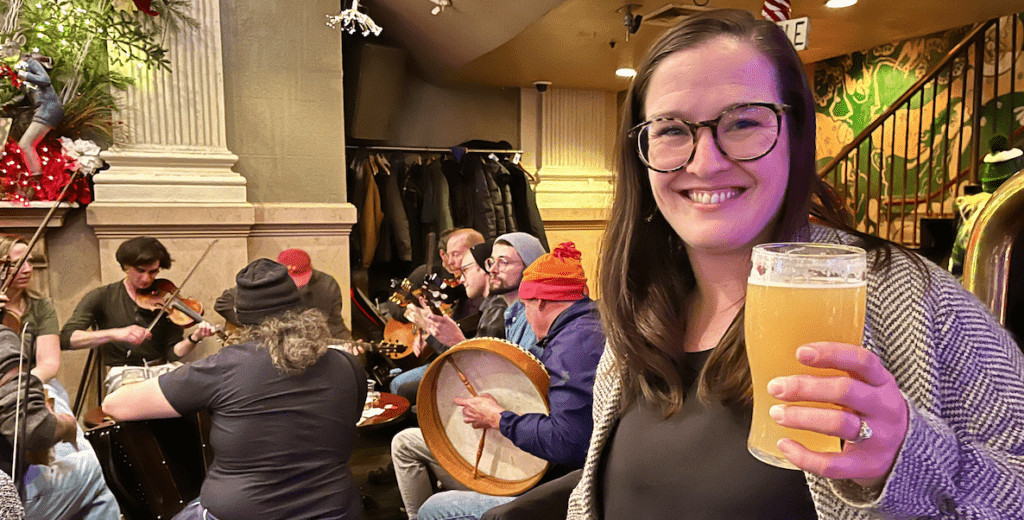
[94, 43]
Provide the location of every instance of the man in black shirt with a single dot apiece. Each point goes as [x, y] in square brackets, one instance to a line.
[283, 409]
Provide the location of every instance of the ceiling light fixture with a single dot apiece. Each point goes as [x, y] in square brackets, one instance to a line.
[839, 4]
[625, 72]
[439, 6]
[352, 20]
[630, 21]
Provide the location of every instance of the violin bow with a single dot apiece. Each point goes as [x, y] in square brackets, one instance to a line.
[163, 308]
[20, 415]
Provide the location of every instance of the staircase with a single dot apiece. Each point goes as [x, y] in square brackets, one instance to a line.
[902, 173]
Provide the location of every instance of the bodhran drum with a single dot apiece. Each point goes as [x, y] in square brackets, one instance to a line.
[515, 379]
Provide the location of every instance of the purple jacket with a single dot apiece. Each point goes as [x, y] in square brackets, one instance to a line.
[571, 352]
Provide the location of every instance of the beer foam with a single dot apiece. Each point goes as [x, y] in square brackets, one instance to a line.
[826, 283]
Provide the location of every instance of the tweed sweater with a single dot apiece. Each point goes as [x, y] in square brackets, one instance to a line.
[963, 378]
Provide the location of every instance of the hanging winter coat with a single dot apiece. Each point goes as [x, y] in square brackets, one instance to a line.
[502, 178]
[436, 205]
[524, 202]
[371, 217]
[394, 209]
[461, 191]
[485, 197]
[410, 187]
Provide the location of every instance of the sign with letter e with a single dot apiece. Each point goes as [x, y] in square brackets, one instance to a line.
[797, 30]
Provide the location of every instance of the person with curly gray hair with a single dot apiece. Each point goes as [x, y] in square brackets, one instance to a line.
[283, 406]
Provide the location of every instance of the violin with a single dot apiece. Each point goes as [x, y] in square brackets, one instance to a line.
[183, 312]
[12, 321]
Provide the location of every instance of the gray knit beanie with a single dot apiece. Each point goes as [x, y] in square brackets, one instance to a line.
[264, 289]
[527, 245]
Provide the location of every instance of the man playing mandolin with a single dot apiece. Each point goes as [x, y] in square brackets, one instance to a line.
[119, 323]
[454, 247]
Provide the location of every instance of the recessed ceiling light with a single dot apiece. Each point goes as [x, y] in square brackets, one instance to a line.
[839, 4]
[625, 72]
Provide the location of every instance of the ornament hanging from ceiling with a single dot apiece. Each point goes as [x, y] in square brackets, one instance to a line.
[352, 20]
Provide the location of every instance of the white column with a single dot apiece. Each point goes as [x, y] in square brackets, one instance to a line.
[569, 135]
[568, 138]
[175, 149]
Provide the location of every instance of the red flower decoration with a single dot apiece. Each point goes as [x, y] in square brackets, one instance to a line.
[144, 6]
[56, 172]
[7, 72]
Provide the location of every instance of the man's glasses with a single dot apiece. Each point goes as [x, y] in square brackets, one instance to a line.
[462, 270]
[501, 262]
[742, 133]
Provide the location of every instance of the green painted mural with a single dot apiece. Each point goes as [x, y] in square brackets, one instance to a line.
[913, 163]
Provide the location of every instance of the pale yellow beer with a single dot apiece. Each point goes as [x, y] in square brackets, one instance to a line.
[782, 313]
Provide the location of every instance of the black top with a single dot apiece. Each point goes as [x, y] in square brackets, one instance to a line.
[492, 318]
[111, 307]
[694, 465]
[281, 443]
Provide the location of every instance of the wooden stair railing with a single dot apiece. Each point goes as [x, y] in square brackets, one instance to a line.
[866, 172]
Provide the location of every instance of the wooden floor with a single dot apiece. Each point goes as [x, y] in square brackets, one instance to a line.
[373, 451]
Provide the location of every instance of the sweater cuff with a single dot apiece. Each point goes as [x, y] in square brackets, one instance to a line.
[505, 423]
[919, 484]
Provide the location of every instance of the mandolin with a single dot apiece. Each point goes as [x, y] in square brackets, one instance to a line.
[439, 296]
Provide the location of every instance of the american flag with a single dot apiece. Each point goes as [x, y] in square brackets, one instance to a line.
[775, 10]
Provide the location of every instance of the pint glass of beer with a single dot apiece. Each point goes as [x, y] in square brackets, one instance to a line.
[798, 294]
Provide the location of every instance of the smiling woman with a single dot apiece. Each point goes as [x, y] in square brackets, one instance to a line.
[716, 157]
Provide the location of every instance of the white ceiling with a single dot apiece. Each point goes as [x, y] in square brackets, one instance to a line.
[516, 42]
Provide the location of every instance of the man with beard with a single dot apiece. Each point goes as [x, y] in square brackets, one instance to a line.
[512, 254]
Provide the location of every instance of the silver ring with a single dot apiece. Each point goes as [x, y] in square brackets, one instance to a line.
[865, 432]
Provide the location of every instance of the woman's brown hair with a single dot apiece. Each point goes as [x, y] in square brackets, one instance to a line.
[645, 271]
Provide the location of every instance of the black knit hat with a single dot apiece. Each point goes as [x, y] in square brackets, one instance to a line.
[264, 289]
[481, 252]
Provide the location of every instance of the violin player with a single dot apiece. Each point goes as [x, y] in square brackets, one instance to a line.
[24, 305]
[70, 484]
[118, 322]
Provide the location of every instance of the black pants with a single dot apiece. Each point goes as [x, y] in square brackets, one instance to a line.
[548, 501]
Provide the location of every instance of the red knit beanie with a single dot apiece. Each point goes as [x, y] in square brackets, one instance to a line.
[556, 276]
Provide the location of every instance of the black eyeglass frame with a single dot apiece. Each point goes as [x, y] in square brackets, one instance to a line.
[634, 133]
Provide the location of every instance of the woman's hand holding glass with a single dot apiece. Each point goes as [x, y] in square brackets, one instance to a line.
[869, 394]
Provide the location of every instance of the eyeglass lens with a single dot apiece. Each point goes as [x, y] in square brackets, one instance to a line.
[743, 133]
[501, 262]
